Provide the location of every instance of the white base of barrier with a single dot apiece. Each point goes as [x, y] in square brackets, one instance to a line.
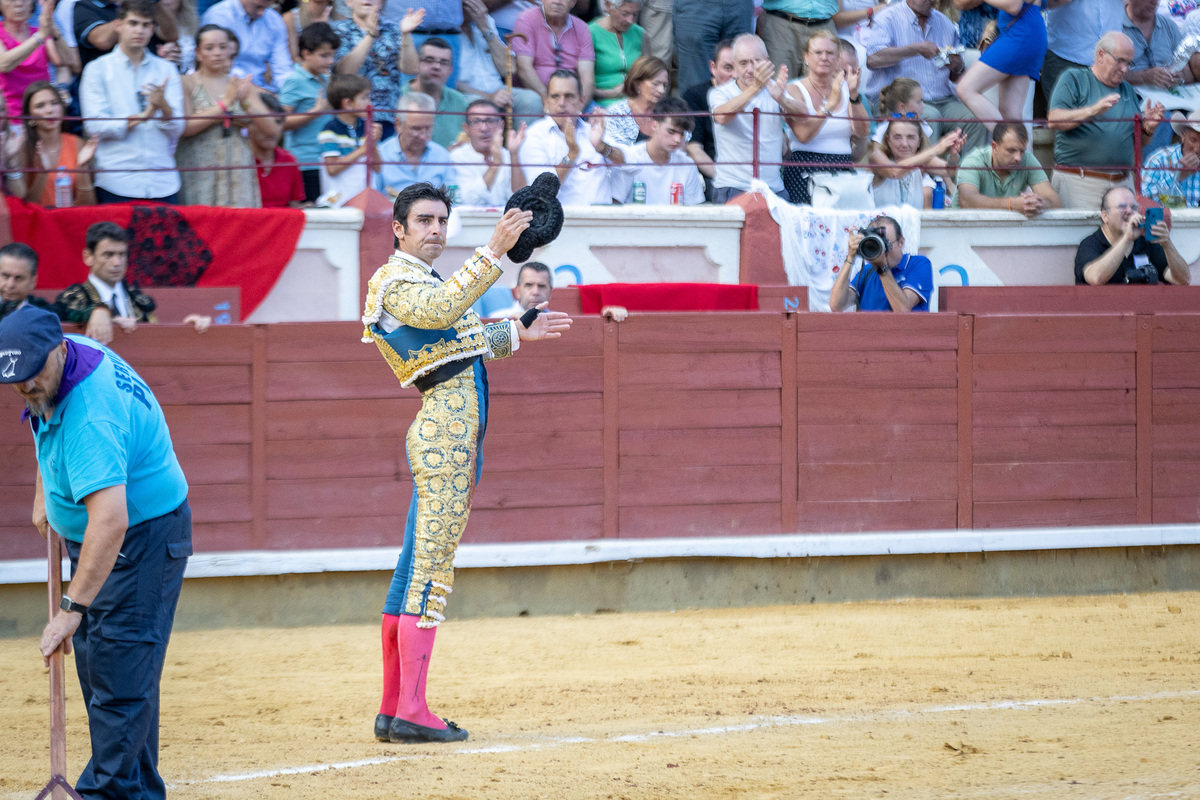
[545, 554]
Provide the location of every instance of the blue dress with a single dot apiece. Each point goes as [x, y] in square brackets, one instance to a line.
[1021, 47]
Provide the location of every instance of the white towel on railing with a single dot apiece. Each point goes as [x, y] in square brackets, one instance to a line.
[814, 240]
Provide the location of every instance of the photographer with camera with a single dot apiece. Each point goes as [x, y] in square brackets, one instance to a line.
[1121, 252]
[889, 279]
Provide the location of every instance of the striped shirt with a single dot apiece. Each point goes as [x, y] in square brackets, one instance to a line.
[897, 26]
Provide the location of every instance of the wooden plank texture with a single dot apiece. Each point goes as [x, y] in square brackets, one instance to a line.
[1176, 333]
[221, 537]
[228, 502]
[1069, 333]
[336, 497]
[18, 464]
[1037, 409]
[175, 384]
[1176, 442]
[898, 481]
[222, 424]
[878, 406]
[19, 540]
[1055, 481]
[855, 444]
[919, 369]
[547, 376]
[862, 333]
[1177, 479]
[1040, 513]
[1177, 370]
[1176, 407]
[701, 370]
[214, 463]
[170, 345]
[1032, 371]
[699, 486]
[700, 333]
[818, 516]
[337, 419]
[727, 519]
[1173, 510]
[662, 409]
[573, 487]
[996, 445]
[668, 449]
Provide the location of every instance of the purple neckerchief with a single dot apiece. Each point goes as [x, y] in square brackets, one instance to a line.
[80, 362]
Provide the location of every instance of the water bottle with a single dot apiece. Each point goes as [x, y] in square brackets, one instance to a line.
[63, 196]
[939, 193]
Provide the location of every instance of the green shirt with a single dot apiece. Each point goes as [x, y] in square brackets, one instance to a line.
[446, 127]
[613, 60]
[1101, 141]
[976, 169]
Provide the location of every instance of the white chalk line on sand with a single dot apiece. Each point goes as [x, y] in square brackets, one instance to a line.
[762, 723]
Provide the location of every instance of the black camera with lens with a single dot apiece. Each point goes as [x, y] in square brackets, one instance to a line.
[1143, 274]
[874, 243]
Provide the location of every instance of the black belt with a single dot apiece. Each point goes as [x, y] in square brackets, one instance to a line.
[793, 18]
[437, 31]
[443, 373]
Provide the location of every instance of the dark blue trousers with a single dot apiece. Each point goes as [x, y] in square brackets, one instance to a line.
[119, 651]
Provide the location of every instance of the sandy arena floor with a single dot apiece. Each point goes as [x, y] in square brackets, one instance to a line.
[1078, 697]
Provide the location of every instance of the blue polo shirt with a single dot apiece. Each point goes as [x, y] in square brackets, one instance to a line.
[108, 430]
[300, 92]
[435, 166]
[913, 272]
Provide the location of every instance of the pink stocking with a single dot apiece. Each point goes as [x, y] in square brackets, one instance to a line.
[416, 646]
[391, 666]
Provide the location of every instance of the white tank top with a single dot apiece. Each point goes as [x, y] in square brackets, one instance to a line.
[834, 136]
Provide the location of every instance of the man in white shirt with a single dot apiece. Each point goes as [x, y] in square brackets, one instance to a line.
[534, 284]
[573, 149]
[756, 85]
[487, 168]
[262, 39]
[133, 102]
[659, 162]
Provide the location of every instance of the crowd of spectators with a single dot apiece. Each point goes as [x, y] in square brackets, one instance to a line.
[242, 103]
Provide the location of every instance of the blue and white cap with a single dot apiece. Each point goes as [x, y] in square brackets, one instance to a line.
[27, 336]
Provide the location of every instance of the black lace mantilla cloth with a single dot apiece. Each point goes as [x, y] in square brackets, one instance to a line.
[164, 250]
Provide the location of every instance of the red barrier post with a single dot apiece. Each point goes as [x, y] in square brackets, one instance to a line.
[1137, 154]
[755, 114]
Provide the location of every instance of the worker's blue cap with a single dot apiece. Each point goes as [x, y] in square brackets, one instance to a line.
[27, 336]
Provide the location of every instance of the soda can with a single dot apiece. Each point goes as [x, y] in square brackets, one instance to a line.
[639, 193]
[452, 190]
[676, 194]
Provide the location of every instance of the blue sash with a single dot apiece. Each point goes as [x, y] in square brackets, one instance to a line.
[407, 339]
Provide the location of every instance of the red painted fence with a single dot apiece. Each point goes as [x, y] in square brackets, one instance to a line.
[686, 425]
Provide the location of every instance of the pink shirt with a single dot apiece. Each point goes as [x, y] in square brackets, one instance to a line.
[35, 67]
[549, 52]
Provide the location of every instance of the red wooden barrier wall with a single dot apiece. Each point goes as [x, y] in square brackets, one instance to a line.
[685, 425]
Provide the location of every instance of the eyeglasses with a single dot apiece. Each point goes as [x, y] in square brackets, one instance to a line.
[484, 122]
[1124, 63]
[906, 115]
[1124, 207]
[441, 62]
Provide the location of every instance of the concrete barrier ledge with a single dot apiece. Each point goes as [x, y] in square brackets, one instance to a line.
[564, 553]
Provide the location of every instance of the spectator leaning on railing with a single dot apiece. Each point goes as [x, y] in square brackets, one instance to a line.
[1005, 175]
[344, 139]
[410, 156]
[26, 51]
[659, 163]
[1092, 113]
[279, 181]
[133, 102]
[617, 41]
[487, 166]
[1172, 175]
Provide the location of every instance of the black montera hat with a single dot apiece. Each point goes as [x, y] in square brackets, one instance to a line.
[27, 336]
[542, 199]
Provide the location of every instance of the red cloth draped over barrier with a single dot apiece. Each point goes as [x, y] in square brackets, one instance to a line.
[669, 296]
[170, 245]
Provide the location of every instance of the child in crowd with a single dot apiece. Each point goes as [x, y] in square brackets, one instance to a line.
[903, 162]
[279, 180]
[304, 91]
[344, 139]
[903, 98]
[659, 162]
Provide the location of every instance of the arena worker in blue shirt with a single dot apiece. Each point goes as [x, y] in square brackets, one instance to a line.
[109, 483]
[893, 281]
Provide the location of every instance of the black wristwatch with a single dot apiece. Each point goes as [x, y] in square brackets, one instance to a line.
[67, 604]
[856, 100]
